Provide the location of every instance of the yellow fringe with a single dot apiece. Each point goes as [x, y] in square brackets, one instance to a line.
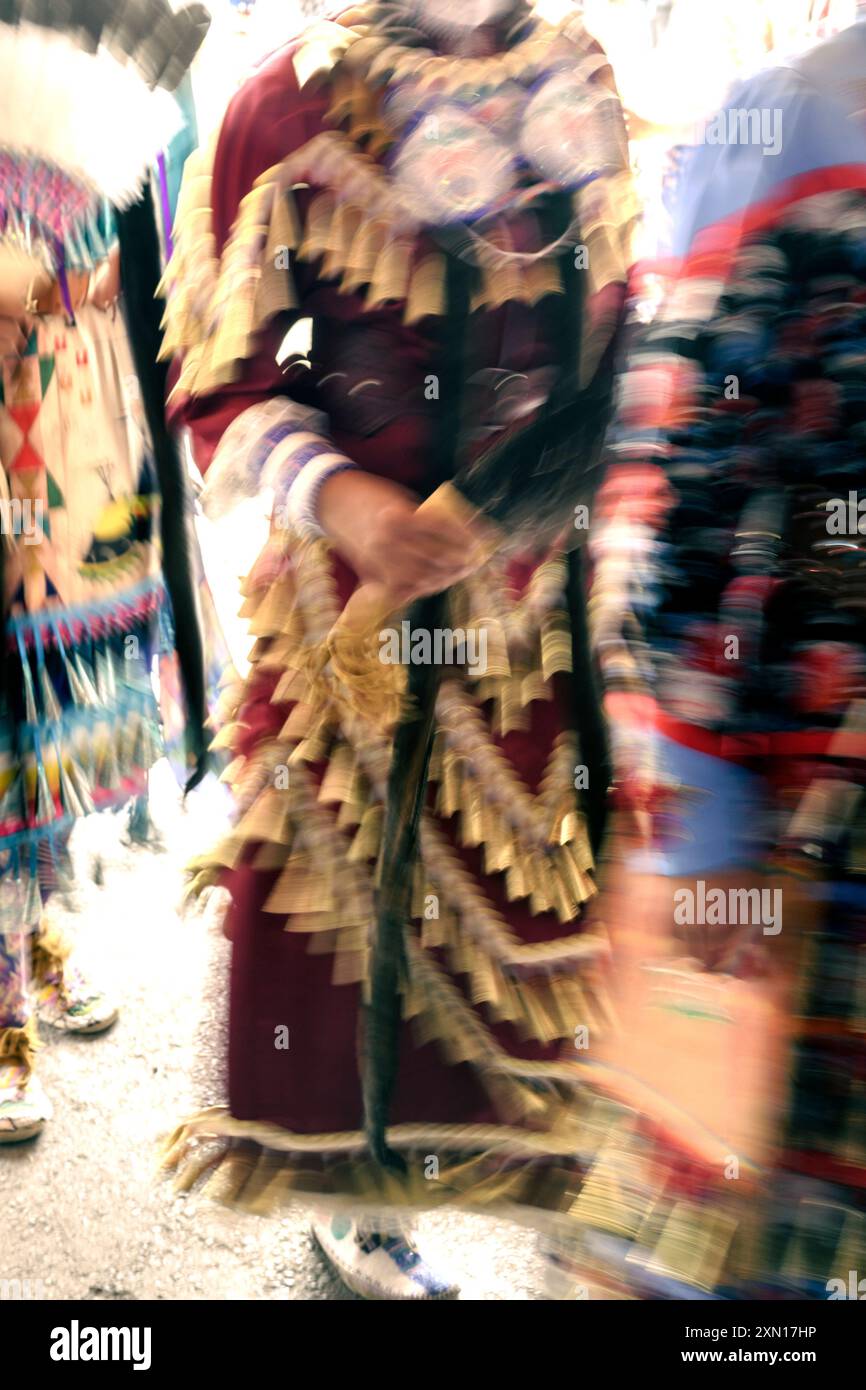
[50, 949]
[19, 1045]
[258, 1167]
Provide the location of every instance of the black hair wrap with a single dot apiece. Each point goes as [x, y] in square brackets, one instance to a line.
[140, 273]
[527, 482]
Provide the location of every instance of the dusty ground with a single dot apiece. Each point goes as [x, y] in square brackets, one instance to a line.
[82, 1212]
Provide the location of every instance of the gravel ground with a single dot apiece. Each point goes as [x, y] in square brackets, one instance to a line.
[83, 1212]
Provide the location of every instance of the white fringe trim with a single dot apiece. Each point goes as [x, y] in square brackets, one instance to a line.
[87, 113]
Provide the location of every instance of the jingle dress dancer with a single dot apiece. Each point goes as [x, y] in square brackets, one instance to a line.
[89, 478]
[444, 191]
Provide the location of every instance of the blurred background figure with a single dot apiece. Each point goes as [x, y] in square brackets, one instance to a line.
[93, 500]
[729, 620]
[675, 62]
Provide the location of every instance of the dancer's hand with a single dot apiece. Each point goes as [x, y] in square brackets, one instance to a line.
[14, 334]
[378, 529]
[637, 782]
[632, 798]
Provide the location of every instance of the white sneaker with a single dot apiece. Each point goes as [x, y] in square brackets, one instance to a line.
[379, 1266]
[67, 1001]
[63, 997]
[24, 1106]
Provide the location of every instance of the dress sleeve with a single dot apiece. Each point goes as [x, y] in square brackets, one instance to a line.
[267, 120]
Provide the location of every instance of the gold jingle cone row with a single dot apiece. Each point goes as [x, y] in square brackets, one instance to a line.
[310, 804]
